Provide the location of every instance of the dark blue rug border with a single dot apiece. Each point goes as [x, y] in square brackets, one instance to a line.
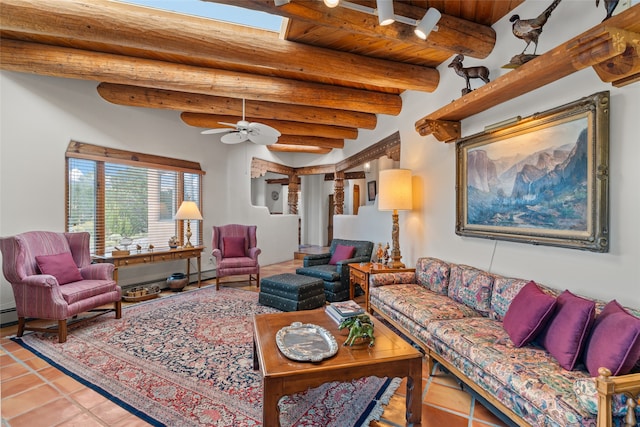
[92, 386]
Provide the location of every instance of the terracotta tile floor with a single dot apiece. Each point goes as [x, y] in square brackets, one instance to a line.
[35, 394]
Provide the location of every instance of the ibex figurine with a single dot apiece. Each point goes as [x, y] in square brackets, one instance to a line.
[480, 72]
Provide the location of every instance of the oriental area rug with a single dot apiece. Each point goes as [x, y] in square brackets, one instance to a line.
[187, 360]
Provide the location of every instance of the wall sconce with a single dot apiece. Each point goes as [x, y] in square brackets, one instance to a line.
[366, 167]
[427, 23]
[395, 194]
[189, 211]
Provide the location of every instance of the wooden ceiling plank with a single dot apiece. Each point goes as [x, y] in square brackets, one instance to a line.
[311, 141]
[297, 149]
[108, 23]
[454, 34]
[73, 63]
[136, 96]
[212, 121]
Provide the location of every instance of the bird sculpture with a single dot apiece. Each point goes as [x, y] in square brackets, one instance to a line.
[529, 29]
[610, 6]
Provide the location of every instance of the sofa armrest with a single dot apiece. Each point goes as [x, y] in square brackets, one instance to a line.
[316, 259]
[33, 290]
[607, 386]
[383, 279]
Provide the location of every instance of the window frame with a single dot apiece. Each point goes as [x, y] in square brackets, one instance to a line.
[102, 155]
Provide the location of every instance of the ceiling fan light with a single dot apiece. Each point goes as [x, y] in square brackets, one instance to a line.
[385, 12]
[331, 3]
[427, 23]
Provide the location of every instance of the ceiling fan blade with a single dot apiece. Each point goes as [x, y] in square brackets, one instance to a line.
[234, 138]
[216, 130]
[233, 125]
[261, 139]
[263, 129]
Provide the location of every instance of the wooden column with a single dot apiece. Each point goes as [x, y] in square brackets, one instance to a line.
[293, 194]
[338, 192]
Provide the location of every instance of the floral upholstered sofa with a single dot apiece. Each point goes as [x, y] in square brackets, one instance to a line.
[460, 317]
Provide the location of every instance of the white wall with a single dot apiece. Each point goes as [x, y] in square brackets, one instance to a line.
[40, 115]
[428, 230]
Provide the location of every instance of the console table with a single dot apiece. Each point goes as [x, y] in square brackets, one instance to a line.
[359, 275]
[153, 256]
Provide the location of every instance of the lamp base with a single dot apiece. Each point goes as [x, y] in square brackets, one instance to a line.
[395, 251]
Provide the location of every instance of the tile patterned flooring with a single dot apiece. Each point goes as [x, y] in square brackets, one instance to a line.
[35, 394]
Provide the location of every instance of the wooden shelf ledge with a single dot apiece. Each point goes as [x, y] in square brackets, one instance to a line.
[612, 48]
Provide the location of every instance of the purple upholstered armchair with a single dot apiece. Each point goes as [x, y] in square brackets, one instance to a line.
[234, 247]
[53, 278]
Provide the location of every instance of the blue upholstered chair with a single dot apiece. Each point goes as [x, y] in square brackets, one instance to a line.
[336, 276]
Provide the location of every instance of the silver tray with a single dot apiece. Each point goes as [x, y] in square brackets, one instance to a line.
[306, 342]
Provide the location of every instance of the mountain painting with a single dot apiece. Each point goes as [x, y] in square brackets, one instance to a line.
[535, 180]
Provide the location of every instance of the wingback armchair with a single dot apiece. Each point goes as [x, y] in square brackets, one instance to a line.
[234, 247]
[333, 269]
[52, 278]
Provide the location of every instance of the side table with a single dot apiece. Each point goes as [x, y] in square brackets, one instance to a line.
[359, 275]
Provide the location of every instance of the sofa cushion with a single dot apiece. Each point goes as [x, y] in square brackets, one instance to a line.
[471, 286]
[614, 342]
[419, 303]
[234, 247]
[565, 334]
[526, 379]
[433, 274]
[61, 266]
[323, 271]
[529, 312]
[341, 253]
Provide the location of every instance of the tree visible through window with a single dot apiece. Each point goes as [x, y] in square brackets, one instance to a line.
[116, 199]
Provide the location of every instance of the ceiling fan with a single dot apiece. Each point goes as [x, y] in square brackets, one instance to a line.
[257, 133]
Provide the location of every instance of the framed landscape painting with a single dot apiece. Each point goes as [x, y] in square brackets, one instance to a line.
[542, 180]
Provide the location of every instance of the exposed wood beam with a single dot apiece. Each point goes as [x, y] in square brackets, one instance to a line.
[136, 96]
[454, 34]
[197, 39]
[310, 141]
[298, 149]
[73, 63]
[212, 121]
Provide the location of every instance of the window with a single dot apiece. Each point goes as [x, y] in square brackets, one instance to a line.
[114, 197]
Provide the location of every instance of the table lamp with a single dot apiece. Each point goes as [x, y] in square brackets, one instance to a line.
[189, 211]
[395, 193]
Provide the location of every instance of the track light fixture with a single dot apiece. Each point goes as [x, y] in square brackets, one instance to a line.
[427, 23]
[386, 15]
[385, 12]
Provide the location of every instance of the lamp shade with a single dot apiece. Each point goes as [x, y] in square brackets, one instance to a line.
[395, 192]
[188, 210]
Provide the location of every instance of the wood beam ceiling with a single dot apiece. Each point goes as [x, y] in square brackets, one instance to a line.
[136, 96]
[202, 42]
[212, 121]
[80, 64]
[454, 35]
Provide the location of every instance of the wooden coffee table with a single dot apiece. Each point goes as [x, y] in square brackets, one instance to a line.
[390, 357]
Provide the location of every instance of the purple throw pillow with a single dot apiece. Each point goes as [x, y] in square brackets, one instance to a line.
[341, 253]
[61, 266]
[233, 247]
[614, 342]
[528, 313]
[566, 333]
